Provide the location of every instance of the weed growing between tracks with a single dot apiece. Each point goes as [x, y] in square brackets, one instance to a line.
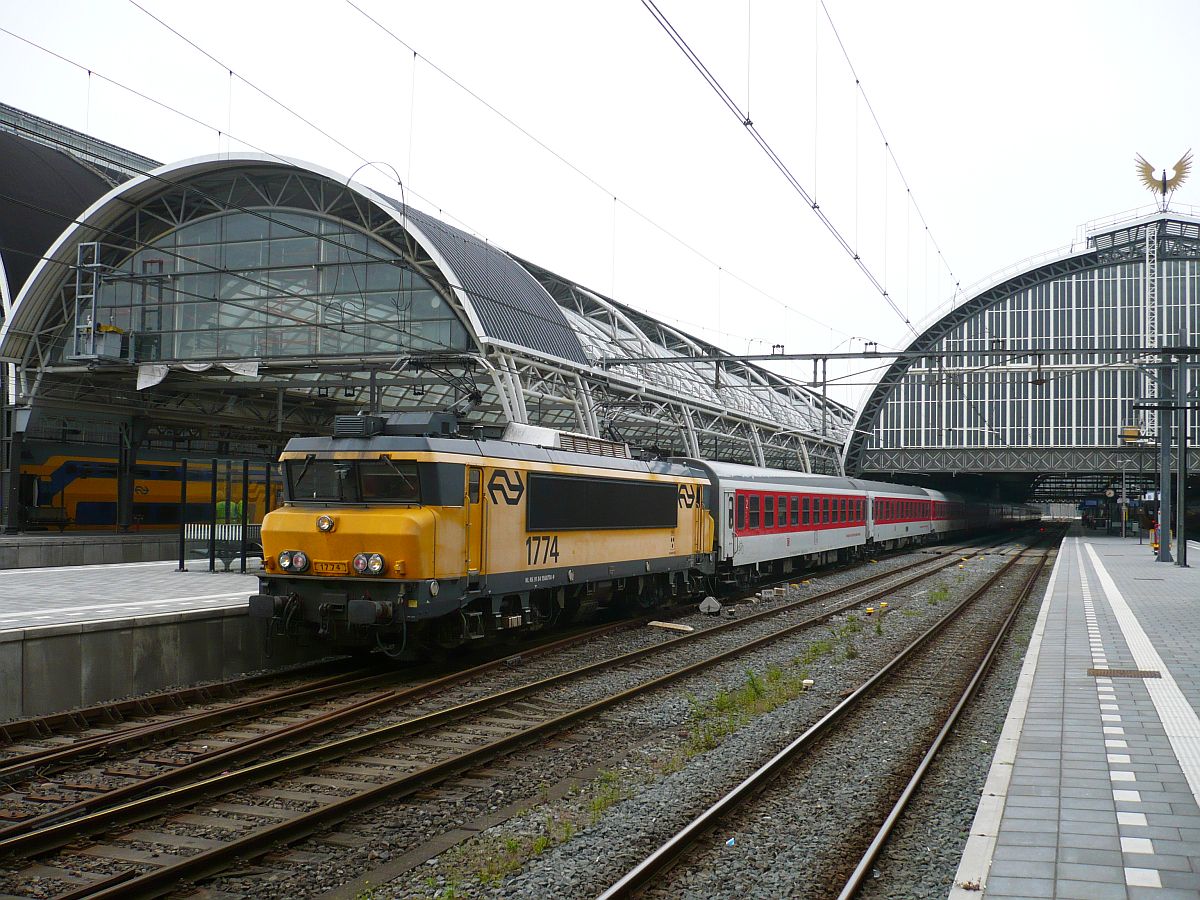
[491, 857]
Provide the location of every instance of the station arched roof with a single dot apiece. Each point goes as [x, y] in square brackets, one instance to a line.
[525, 345]
[1039, 378]
[501, 299]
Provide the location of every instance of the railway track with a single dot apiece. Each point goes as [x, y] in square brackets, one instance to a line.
[874, 747]
[212, 739]
[275, 801]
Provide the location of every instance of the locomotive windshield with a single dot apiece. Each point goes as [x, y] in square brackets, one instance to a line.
[353, 481]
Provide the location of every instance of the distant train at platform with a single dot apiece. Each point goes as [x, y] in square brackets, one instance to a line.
[71, 487]
[403, 534]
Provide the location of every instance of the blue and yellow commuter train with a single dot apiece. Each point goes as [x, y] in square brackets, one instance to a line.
[68, 486]
[403, 533]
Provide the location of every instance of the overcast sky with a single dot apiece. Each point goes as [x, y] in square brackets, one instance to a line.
[1013, 124]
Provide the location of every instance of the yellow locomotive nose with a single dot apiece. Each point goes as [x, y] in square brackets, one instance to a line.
[354, 542]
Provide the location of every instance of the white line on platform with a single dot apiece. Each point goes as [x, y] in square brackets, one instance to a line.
[1178, 718]
[113, 607]
[985, 829]
[129, 565]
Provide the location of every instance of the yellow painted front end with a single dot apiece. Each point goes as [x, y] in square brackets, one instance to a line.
[417, 543]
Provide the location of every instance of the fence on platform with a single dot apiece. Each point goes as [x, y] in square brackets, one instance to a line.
[225, 524]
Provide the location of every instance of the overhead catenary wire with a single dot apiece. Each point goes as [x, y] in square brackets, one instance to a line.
[608, 192]
[888, 149]
[299, 230]
[416, 55]
[775, 159]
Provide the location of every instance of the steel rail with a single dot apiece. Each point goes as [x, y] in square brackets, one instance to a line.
[208, 862]
[36, 727]
[139, 735]
[257, 746]
[260, 744]
[855, 881]
[675, 846]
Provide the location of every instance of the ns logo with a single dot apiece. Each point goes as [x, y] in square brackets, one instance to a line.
[689, 496]
[506, 487]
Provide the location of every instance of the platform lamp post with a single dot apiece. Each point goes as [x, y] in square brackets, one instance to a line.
[1181, 403]
[1164, 466]
[1124, 497]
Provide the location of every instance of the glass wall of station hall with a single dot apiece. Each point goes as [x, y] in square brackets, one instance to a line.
[256, 280]
[1073, 399]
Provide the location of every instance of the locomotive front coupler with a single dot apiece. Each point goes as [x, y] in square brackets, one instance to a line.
[365, 611]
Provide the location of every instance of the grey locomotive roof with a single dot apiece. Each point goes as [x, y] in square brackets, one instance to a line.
[501, 449]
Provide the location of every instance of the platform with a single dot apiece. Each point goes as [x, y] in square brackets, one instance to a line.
[32, 597]
[38, 549]
[1094, 790]
[81, 635]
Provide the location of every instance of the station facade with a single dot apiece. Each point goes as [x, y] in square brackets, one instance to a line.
[1046, 379]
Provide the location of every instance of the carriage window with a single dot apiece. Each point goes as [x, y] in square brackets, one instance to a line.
[768, 512]
[825, 510]
[783, 512]
[754, 512]
[795, 510]
[843, 508]
[741, 513]
[805, 508]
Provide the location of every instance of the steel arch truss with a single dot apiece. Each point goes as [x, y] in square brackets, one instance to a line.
[1014, 413]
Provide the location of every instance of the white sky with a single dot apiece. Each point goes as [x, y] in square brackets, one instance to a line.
[1013, 123]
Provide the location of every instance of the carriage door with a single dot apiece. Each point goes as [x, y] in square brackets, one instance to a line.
[727, 537]
[474, 518]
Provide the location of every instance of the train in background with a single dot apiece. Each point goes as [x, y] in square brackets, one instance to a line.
[404, 534]
[71, 487]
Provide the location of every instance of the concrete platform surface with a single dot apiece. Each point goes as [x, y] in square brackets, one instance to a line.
[80, 635]
[48, 596]
[1094, 790]
[38, 549]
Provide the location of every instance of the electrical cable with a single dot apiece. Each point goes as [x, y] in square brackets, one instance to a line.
[887, 145]
[775, 159]
[588, 178]
[325, 238]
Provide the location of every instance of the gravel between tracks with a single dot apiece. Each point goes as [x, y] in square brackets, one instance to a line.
[650, 786]
[646, 730]
[611, 820]
[927, 849]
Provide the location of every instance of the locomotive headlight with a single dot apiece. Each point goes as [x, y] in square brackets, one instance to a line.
[375, 564]
[299, 561]
[285, 560]
[359, 563]
[325, 523]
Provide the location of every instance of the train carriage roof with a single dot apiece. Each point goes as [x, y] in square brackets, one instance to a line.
[791, 479]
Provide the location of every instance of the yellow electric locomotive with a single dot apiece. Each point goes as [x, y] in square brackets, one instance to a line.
[404, 534]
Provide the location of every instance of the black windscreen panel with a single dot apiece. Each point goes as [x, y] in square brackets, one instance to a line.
[574, 503]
